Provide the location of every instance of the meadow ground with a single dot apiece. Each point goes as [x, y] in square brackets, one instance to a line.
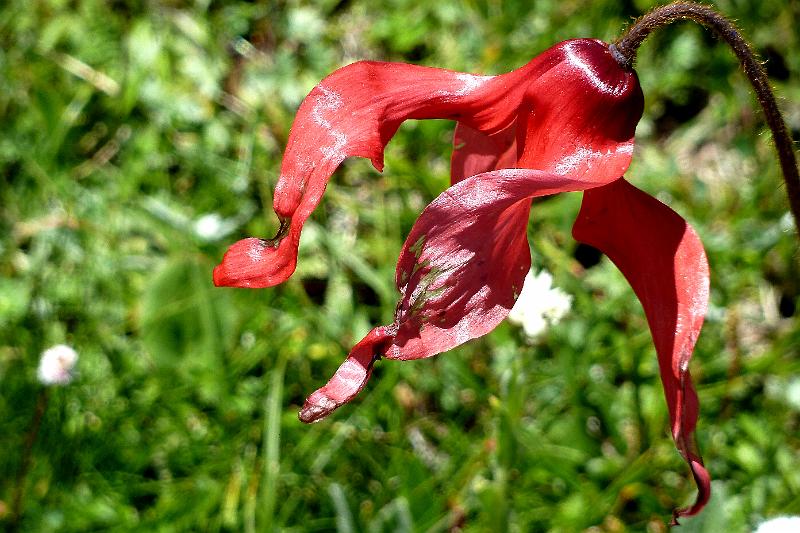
[140, 138]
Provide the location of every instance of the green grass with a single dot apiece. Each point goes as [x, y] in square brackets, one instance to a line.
[124, 123]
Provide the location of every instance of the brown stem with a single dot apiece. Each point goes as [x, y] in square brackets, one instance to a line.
[25, 465]
[283, 231]
[624, 50]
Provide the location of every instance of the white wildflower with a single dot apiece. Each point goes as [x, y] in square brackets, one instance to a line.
[56, 365]
[780, 524]
[211, 227]
[539, 304]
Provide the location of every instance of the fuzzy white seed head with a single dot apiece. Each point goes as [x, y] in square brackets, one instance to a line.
[56, 365]
[539, 304]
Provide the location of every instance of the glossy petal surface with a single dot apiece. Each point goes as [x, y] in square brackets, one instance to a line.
[349, 378]
[355, 112]
[580, 119]
[459, 273]
[664, 261]
[575, 113]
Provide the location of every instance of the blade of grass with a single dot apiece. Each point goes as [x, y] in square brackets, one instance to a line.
[344, 518]
[271, 441]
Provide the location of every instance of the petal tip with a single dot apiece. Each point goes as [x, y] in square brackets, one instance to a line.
[253, 263]
[317, 407]
[703, 481]
[221, 277]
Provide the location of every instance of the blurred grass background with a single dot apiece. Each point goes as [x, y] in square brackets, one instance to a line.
[140, 138]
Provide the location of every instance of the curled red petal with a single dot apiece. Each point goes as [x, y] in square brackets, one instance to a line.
[459, 273]
[573, 89]
[665, 263]
[580, 118]
[349, 378]
[257, 263]
[355, 112]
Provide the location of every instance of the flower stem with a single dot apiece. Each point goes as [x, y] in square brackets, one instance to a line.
[27, 453]
[624, 51]
[283, 231]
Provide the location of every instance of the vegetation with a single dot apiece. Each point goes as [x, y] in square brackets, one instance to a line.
[140, 138]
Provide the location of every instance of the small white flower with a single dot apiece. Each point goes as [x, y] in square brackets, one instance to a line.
[539, 304]
[780, 524]
[56, 365]
[211, 227]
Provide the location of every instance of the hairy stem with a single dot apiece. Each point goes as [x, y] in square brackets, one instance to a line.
[624, 50]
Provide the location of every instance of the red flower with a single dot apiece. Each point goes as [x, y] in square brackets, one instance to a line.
[563, 122]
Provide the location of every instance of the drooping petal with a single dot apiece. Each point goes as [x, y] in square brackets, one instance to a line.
[664, 261]
[349, 378]
[256, 263]
[460, 270]
[356, 110]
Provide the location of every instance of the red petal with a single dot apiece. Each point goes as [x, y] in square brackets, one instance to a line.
[579, 119]
[459, 273]
[475, 152]
[463, 264]
[354, 112]
[579, 114]
[349, 379]
[258, 263]
[664, 261]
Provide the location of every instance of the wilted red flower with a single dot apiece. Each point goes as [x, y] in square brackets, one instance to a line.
[563, 122]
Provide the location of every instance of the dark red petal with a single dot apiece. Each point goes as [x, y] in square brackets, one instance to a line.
[463, 264]
[664, 261]
[579, 119]
[475, 152]
[576, 118]
[459, 273]
[356, 110]
[349, 379]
